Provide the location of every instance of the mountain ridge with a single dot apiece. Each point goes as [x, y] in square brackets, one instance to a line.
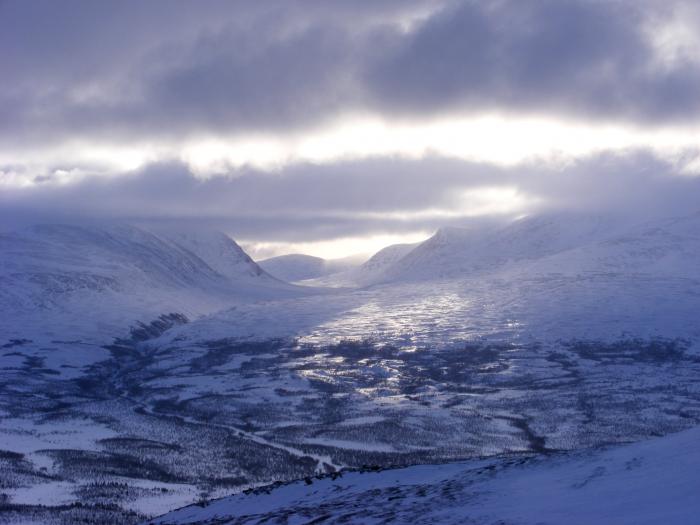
[297, 267]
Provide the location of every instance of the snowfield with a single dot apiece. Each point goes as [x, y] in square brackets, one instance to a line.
[645, 483]
[541, 278]
[143, 369]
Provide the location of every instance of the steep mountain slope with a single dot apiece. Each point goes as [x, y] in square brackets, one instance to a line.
[386, 257]
[368, 272]
[116, 274]
[219, 252]
[653, 482]
[643, 281]
[669, 247]
[465, 252]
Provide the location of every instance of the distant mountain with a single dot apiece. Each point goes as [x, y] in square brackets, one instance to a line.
[369, 272]
[298, 267]
[454, 252]
[386, 257]
[294, 267]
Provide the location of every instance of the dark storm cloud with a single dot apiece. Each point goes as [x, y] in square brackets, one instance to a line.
[126, 69]
[303, 202]
[228, 82]
[585, 58]
[308, 203]
[142, 70]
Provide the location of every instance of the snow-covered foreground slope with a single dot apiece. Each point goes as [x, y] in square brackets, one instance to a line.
[299, 267]
[654, 482]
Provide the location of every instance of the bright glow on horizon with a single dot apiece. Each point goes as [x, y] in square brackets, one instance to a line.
[499, 140]
[363, 247]
[470, 203]
[493, 139]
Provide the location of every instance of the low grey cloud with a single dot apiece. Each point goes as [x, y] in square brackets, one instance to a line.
[133, 68]
[304, 202]
[310, 203]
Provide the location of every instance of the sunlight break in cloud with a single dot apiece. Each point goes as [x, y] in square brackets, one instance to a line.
[465, 204]
[495, 139]
[499, 140]
[335, 248]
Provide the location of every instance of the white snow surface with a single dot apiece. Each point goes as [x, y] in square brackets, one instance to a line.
[67, 290]
[54, 277]
[458, 252]
[542, 278]
[72, 289]
[538, 277]
[648, 483]
[369, 272]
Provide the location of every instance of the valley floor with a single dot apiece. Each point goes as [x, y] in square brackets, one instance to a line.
[158, 426]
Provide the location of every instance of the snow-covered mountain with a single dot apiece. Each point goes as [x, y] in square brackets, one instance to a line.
[465, 252]
[544, 277]
[294, 267]
[667, 247]
[652, 482]
[549, 334]
[298, 267]
[386, 257]
[218, 251]
[115, 274]
[368, 272]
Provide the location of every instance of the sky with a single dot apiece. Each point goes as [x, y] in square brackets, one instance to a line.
[338, 127]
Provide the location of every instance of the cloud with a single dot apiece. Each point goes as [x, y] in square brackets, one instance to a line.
[138, 71]
[304, 201]
[312, 203]
[329, 119]
[161, 68]
[582, 59]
